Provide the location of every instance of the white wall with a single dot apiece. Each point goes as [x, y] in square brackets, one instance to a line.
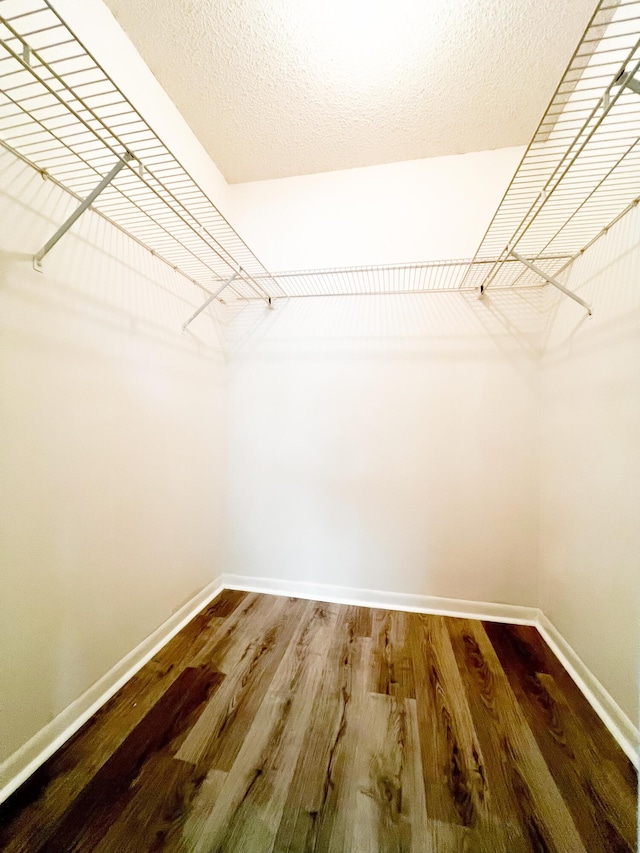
[388, 443]
[418, 210]
[590, 463]
[112, 451]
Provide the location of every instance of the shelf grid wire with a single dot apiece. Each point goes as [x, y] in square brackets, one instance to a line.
[396, 279]
[62, 113]
[582, 168]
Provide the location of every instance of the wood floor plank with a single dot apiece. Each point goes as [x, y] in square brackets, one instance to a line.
[381, 677]
[336, 829]
[52, 789]
[515, 768]
[247, 628]
[403, 666]
[584, 778]
[381, 820]
[275, 724]
[362, 620]
[155, 806]
[182, 650]
[312, 779]
[184, 833]
[452, 758]
[539, 658]
[413, 796]
[27, 818]
[217, 737]
[247, 813]
[225, 647]
[93, 807]
[464, 839]
[391, 661]
[224, 604]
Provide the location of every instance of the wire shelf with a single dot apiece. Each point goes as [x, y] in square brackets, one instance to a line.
[62, 113]
[430, 277]
[582, 168]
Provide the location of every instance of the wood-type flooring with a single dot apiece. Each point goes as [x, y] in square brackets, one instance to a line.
[279, 724]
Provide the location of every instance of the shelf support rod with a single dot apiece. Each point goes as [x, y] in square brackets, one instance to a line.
[208, 301]
[551, 280]
[627, 79]
[77, 213]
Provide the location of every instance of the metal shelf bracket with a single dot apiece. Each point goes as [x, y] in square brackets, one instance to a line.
[629, 81]
[77, 213]
[551, 280]
[208, 301]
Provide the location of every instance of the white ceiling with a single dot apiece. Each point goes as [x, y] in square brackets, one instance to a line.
[274, 88]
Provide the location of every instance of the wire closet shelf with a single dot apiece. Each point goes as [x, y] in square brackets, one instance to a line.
[395, 279]
[581, 170]
[61, 113]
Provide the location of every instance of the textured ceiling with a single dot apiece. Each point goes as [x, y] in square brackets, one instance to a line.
[274, 88]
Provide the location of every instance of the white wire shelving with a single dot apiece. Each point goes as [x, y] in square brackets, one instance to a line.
[581, 170]
[61, 113]
[386, 280]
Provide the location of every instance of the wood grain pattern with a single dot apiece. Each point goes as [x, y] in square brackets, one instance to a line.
[313, 787]
[382, 819]
[452, 761]
[277, 725]
[567, 745]
[515, 768]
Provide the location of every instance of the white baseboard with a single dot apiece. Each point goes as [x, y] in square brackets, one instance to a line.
[605, 706]
[26, 760]
[19, 766]
[387, 600]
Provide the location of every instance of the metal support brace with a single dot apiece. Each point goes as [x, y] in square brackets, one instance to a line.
[208, 301]
[628, 80]
[77, 213]
[551, 280]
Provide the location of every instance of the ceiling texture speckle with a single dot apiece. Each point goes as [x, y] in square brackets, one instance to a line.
[274, 88]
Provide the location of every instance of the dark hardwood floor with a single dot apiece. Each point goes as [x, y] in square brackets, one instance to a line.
[278, 724]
